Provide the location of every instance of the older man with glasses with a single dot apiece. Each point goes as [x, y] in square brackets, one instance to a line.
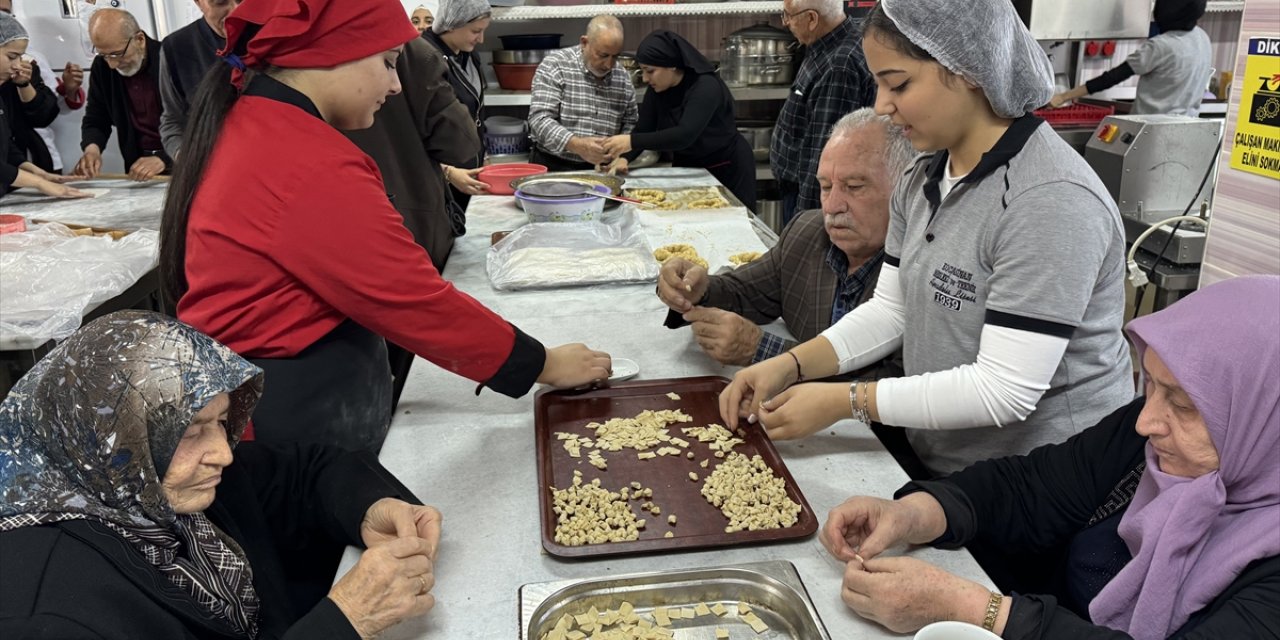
[833, 80]
[124, 93]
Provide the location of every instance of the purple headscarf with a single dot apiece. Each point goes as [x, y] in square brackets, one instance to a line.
[1191, 537]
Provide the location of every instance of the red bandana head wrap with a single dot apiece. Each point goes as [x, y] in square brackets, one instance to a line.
[312, 33]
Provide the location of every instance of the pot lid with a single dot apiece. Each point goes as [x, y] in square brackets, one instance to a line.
[763, 30]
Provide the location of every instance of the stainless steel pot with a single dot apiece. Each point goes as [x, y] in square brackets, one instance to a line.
[758, 55]
[632, 67]
[525, 56]
[759, 136]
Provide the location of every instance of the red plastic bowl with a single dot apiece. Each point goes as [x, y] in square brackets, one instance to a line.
[10, 223]
[499, 176]
[515, 77]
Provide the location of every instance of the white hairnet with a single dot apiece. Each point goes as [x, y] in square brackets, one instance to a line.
[455, 13]
[11, 29]
[984, 41]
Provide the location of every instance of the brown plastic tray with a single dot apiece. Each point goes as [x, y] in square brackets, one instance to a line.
[698, 524]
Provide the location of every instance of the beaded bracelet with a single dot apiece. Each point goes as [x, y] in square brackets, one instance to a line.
[993, 611]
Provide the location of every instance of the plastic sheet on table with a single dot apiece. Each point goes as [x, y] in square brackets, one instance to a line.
[571, 254]
[50, 277]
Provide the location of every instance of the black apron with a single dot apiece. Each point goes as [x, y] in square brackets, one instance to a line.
[737, 173]
[336, 391]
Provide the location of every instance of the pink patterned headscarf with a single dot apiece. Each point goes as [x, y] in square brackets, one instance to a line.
[1191, 537]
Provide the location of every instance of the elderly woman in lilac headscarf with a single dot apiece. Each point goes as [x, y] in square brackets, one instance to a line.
[1161, 521]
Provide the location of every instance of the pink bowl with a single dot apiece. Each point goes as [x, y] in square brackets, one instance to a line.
[499, 176]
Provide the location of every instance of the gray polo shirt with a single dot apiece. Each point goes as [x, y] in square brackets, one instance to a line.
[1173, 72]
[1030, 239]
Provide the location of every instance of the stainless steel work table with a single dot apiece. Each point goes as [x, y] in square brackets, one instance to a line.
[473, 457]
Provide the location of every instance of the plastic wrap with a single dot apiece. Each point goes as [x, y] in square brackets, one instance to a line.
[50, 277]
[571, 254]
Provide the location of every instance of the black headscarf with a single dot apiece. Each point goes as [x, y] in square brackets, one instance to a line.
[664, 48]
[89, 432]
[1178, 15]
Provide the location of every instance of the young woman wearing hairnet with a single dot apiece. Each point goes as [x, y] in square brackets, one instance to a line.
[456, 32]
[1172, 68]
[421, 18]
[1003, 274]
[1161, 521]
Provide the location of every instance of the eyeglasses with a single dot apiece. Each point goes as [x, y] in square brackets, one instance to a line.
[789, 16]
[121, 53]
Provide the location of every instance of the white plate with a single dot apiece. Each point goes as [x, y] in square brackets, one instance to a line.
[624, 369]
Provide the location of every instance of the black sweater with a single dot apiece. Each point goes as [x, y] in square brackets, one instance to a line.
[79, 579]
[694, 119]
[18, 122]
[1040, 502]
[108, 106]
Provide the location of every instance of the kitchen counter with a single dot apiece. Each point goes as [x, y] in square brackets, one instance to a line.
[473, 456]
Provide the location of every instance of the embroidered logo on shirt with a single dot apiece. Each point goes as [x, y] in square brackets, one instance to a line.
[952, 287]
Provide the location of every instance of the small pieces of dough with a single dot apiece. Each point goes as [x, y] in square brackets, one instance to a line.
[679, 250]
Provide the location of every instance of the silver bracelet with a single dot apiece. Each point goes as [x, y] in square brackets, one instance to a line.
[858, 408]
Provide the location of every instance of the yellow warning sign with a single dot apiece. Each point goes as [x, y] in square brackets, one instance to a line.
[1256, 147]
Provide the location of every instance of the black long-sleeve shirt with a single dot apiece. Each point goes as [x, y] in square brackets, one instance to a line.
[694, 119]
[18, 122]
[1041, 502]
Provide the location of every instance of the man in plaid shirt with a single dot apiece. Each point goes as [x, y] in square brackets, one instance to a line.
[581, 95]
[825, 263]
[832, 81]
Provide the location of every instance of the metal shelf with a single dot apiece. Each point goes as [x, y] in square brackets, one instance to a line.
[586, 11]
[507, 98]
[1224, 6]
[763, 171]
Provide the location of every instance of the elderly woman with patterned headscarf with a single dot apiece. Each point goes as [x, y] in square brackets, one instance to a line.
[121, 511]
[1003, 276]
[688, 111]
[1162, 521]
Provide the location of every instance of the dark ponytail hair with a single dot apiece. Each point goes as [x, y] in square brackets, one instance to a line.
[880, 26]
[209, 108]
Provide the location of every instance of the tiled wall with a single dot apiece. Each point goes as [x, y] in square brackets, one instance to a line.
[1244, 237]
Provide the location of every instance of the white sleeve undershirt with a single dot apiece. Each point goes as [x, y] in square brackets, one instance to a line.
[1013, 369]
[873, 330]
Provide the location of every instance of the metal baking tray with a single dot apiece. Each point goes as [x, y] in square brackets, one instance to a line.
[773, 590]
[721, 189]
[698, 524]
